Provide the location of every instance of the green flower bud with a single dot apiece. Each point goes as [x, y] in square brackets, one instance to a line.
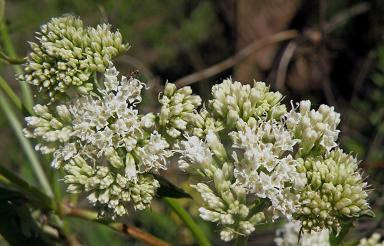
[177, 109]
[335, 190]
[113, 158]
[130, 167]
[232, 101]
[67, 47]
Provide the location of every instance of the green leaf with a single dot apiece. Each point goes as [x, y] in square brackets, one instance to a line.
[32, 194]
[167, 189]
[16, 223]
[158, 224]
[25, 144]
[378, 79]
[2, 9]
[368, 213]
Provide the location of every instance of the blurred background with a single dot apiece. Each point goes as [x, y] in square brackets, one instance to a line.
[327, 51]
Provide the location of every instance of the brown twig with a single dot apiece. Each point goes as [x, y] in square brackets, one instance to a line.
[283, 65]
[231, 61]
[132, 231]
[138, 234]
[373, 165]
[341, 18]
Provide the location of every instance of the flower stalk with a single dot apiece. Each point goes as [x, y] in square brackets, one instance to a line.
[188, 221]
[11, 55]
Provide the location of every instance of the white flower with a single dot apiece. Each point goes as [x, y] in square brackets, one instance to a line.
[227, 234]
[64, 153]
[153, 155]
[109, 121]
[194, 151]
[266, 165]
[374, 240]
[289, 236]
[111, 81]
[314, 127]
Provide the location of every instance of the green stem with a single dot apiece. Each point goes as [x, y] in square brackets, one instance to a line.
[241, 241]
[25, 144]
[10, 50]
[9, 60]
[10, 93]
[34, 195]
[189, 222]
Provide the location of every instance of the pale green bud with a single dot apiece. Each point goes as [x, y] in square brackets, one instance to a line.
[169, 89]
[257, 218]
[42, 111]
[216, 146]
[130, 167]
[63, 113]
[113, 158]
[227, 234]
[232, 118]
[74, 188]
[148, 120]
[68, 54]
[334, 189]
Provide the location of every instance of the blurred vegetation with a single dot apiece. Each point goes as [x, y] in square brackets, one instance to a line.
[337, 58]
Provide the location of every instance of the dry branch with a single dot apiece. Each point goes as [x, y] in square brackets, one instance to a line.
[233, 60]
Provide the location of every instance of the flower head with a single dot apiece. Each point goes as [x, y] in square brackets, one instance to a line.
[248, 152]
[317, 130]
[335, 190]
[105, 147]
[68, 54]
[233, 101]
[177, 109]
[264, 164]
[289, 235]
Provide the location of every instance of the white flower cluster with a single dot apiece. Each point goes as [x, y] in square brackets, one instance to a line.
[233, 101]
[177, 109]
[317, 130]
[104, 146]
[335, 189]
[254, 161]
[374, 240]
[250, 153]
[255, 169]
[264, 164]
[289, 235]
